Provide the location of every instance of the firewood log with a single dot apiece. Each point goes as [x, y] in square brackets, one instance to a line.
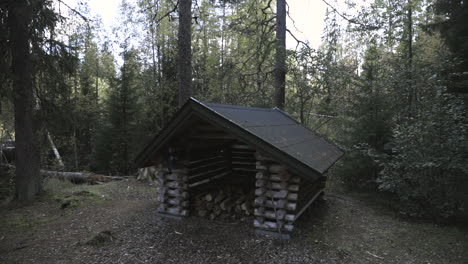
[202, 213]
[227, 204]
[208, 197]
[219, 197]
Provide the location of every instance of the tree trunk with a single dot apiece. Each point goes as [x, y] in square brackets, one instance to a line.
[411, 92]
[28, 180]
[185, 53]
[280, 67]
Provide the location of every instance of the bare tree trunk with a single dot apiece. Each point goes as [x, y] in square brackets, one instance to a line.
[55, 150]
[411, 95]
[185, 53]
[28, 180]
[280, 67]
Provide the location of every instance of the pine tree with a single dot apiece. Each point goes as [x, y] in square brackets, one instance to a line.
[117, 142]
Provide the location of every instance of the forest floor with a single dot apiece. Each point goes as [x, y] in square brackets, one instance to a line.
[61, 227]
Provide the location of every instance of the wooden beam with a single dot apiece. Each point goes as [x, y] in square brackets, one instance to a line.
[308, 204]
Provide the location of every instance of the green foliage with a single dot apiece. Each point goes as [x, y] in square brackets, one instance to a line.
[427, 167]
[116, 144]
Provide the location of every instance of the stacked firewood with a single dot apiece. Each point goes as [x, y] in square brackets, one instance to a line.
[227, 203]
[149, 174]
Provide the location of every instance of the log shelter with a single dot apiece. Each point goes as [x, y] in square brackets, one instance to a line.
[282, 162]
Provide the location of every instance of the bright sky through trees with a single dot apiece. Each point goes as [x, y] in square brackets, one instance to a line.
[308, 18]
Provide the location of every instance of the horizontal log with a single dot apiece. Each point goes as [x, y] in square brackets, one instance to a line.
[244, 154]
[281, 194]
[211, 178]
[181, 171]
[272, 185]
[273, 168]
[292, 196]
[259, 156]
[177, 210]
[246, 164]
[206, 174]
[261, 175]
[249, 170]
[279, 204]
[175, 177]
[175, 184]
[178, 202]
[177, 193]
[273, 226]
[78, 177]
[242, 157]
[242, 146]
[279, 215]
[201, 162]
[259, 211]
[208, 167]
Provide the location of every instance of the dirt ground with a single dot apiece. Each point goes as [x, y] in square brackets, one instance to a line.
[61, 227]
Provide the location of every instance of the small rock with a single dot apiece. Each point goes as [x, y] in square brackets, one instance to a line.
[101, 238]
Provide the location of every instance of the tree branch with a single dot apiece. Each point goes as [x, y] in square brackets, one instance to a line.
[74, 11]
[167, 14]
[350, 20]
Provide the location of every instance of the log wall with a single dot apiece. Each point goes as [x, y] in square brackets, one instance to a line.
[206, 166]
[276, 197]
[280, 197]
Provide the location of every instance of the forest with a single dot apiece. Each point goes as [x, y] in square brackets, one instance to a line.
[388, 84]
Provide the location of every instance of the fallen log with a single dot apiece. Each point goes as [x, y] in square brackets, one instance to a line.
[79, 177]
[74, 177]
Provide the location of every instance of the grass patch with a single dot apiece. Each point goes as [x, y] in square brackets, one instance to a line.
[23, 223]
[70, 195]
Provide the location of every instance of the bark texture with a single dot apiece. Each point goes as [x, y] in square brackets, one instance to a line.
[280, 66]
[28, 180]
[185, 52]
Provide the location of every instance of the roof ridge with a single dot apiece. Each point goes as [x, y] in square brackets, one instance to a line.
[233, 106]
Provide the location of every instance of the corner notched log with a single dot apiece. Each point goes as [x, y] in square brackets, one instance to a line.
[172, 194]
[276, 198]
[281, 197]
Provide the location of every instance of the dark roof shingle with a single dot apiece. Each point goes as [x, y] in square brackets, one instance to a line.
[283, 132]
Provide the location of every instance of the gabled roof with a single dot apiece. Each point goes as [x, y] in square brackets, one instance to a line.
[271, 131]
